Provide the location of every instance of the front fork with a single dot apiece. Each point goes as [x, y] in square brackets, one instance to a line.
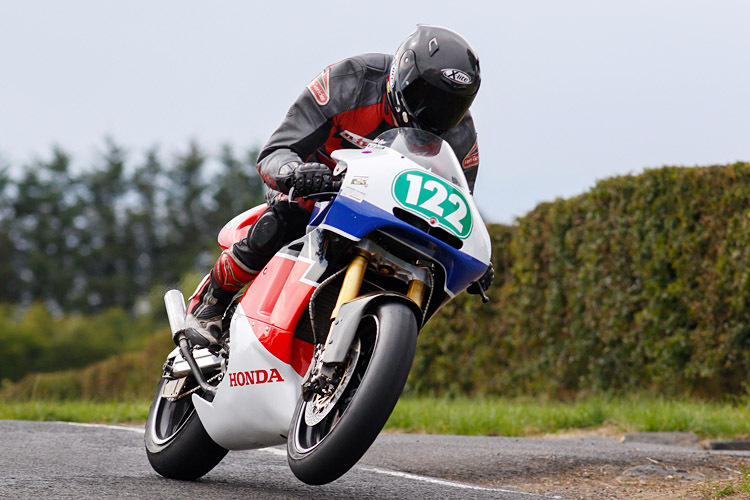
[319, 376]
[353, 282]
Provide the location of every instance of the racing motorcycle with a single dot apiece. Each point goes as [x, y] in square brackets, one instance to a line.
[316, 351]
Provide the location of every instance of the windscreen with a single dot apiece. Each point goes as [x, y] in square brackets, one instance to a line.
[426, 150]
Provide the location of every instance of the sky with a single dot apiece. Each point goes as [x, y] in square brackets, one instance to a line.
[572, 91]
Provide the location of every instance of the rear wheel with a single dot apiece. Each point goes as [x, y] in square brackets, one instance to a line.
[177, 445]
[328, 435]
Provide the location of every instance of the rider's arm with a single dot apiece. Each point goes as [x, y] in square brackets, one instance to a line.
[308, 123]
[463, 140]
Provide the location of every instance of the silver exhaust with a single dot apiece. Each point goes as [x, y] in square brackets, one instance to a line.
[176, 311]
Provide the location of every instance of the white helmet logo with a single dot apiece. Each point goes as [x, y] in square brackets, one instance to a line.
[457, 76]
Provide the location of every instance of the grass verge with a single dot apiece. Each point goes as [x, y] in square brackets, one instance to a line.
[480, 416]
[113, 412]
[528, 417]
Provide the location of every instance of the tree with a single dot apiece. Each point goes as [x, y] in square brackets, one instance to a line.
[238, 186]
[145, 228]
[8, 251]
[102, 237]
[47, 211]
[103, 264]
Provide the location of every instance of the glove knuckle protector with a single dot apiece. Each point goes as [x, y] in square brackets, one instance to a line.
[312, 178]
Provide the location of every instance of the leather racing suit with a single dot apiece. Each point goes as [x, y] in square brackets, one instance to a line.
[345, 106]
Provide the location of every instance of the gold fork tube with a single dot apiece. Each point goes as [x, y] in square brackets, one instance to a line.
[352, 281]
[416, 291]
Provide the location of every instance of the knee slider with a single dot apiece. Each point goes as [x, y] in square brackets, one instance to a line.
[267, 233]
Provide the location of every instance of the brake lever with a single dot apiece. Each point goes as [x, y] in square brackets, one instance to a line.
[476, 285]
[321, 195]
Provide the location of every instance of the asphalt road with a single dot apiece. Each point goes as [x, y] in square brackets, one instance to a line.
[62, 460]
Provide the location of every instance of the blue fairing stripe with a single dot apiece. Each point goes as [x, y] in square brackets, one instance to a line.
[359, 219]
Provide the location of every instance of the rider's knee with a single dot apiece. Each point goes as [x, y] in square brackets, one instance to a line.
[267, 234]
[277, 226]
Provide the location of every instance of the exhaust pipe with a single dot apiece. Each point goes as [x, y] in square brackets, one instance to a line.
[176, 310]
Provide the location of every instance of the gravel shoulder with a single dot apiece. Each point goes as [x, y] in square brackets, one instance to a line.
[580, 467]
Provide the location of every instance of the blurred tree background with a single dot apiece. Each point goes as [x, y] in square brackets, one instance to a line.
[82, 249]
[641, 284]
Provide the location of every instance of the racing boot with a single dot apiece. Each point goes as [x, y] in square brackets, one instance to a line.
[206, 308]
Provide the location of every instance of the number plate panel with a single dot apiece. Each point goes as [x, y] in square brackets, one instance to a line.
[430, 197]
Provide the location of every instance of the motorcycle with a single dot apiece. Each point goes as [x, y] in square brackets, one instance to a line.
[317, 350]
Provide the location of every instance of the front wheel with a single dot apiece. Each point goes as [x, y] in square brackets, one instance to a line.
[177, 445]
[329, 435]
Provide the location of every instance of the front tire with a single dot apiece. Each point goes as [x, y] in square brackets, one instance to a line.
[324, 451]
[177, 444]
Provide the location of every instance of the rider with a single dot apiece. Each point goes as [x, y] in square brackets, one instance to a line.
[429, 84]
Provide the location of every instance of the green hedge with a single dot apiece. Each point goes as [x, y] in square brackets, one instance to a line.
[33, 339]
[642, 283]
[128, 376]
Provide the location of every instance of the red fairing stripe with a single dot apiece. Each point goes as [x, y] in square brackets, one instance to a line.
[234, 232]
[293, 299]
[260, 299]
[282, 344]
[274, 302]
[302, 353]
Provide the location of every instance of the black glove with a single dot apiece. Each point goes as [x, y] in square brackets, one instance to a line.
[284, 178]
[310, 178]
[484, 283]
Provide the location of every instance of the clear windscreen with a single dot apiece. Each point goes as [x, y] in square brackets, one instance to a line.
[426, 150]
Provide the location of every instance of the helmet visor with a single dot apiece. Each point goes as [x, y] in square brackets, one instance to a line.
[434, 109]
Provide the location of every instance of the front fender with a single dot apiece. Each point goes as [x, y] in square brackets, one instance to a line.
[345, 327]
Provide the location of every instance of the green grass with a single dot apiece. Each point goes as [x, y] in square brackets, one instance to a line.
[720, 490]
[528, 417]
[481, 416]
[115, 412]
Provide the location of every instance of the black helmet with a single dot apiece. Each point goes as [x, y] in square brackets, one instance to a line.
[434, 79]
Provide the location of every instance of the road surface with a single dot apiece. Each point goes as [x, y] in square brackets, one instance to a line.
[81, 461]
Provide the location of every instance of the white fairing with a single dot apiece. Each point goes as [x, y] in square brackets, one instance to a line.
[250, 415]
[369, 177]
[246, 415]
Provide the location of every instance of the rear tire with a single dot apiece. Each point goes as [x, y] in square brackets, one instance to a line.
[323, 452]
[177, 444]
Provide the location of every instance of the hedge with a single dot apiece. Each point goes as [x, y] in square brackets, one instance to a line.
[640, 284]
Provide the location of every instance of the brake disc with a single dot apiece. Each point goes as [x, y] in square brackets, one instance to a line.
[320, 406]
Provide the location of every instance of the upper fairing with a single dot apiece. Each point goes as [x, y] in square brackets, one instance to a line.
[369, 179]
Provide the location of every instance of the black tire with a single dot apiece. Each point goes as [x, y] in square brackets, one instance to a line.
[177, 445]
[323, 452]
